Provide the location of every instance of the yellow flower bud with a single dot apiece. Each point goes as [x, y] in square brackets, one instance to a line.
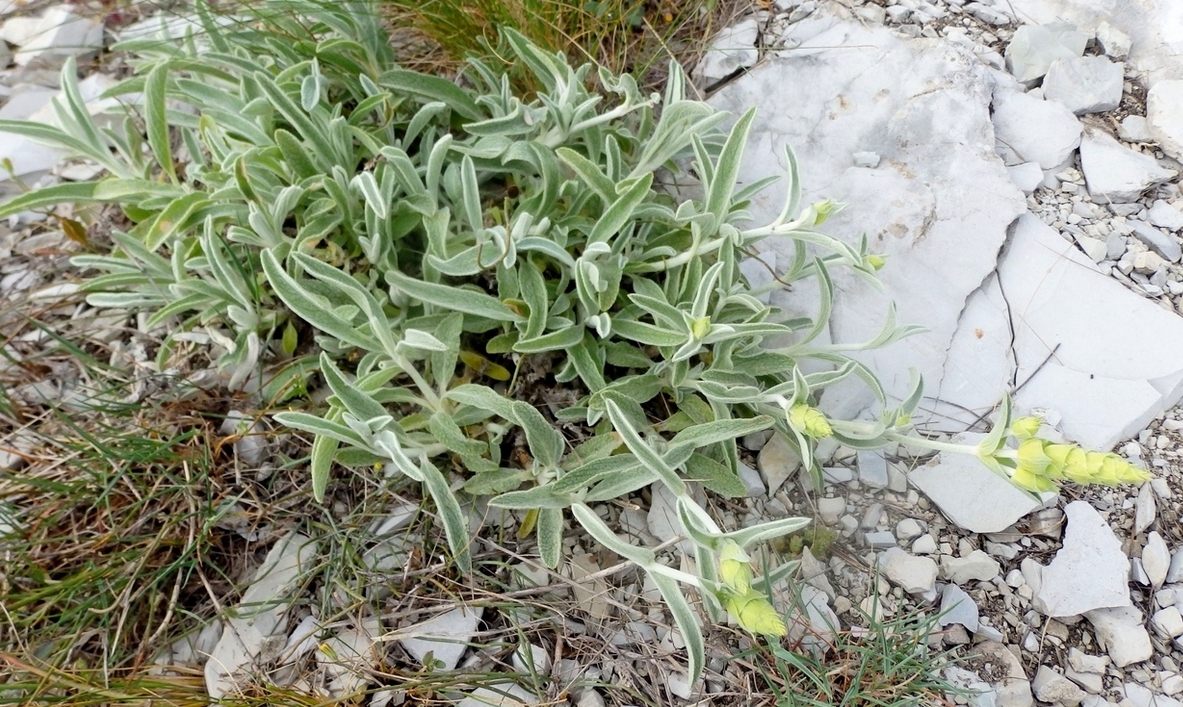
[823, 210]
[734, 567]
[809, 421]
[701, 327]
[1025, 478]
[755, 614]
[1025, 427]
[876, 262]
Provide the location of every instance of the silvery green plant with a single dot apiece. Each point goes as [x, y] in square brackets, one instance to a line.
[417, 242]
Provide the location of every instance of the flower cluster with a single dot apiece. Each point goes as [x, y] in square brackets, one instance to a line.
[1039, 464]
[750, 608]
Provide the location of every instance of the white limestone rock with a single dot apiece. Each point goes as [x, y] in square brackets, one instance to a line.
[1084, 84]
[663, 519]
[1012, 687]
[1167, 623]
[1164, 116]
[59, 33]
[976, 566]
[1107, 388]
[258, 619]
[348, 656]
[909, 207]
[1050, 686]
[1033, 48]
[1090, 550]
[504, 695]
[1145, 509]
[1116, 173]
[444, 636]
[970, 495]
[1134, 128]
[1165, 246]
[1175, 571]
[916, 575]
[1113, 41]
[1156, 559]
[958, 608]
[778, 463]
[1026, 176]
[732, 49]
[813, 623]
[1164, 215]
[1037, 130]
[1121, 633]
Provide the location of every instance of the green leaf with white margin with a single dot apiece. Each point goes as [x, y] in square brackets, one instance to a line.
[431, 88]
[550, 536]
[370, 191]
[418, 339]
[546, 443]
[533, 287]
[478, 396]
[312, 308]
[639, 447]
[443, 363]
[448, 433]
[718, 200]
[746, 537]
[621, 211]
[537, 497]
[453, 298]
[156, 120]
[714, 476]
[587, 474]
[555, 341]
[324, 449]
[990, 445]
[357, 403]
[450, 513]
[720, 431]
[319, 426]
[686, 621]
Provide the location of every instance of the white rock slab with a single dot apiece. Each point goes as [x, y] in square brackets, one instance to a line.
[1013, 687]
[1116, 173]
[1084, 84]
[1154, 29]
[259, 615]
[507, 695]
[59, 33]
[1036, 130]
[1164, 215]
[888, 97]
[958, 608]
[1163, 119]
[1107, 388]
[444, 636]
[732, 49]
[1090, 550]
[1122, 634]
[970, 495]
[350, 655]
[1156, 559]
[1034, 48]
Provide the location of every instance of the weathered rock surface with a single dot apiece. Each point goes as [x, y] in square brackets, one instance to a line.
[1085, 84]
[1036, 130]
[913, 574]
[1107, 388]
[445, 636]
[1114, 172]
[918, 214]
[1122, 633]
[970, 495]
[1090, 550]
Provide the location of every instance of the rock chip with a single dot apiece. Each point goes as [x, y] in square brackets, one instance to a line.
[958, 608]
[1164, 116]
[1084, 84]
[1033, 48]
[1175, 571]
[1113, 41]
[47, 41]
[505, 695]
[970, 495]
[1027, 176]
[831, 509]
[812, 622]
[1122, 634]
[1164, 215]
[915, 575]
[1167, 623]
[1156, 559]
[1166, 247]
[872, 469]
[663, 518]
[778, 462]
[1114, 172]
[1090, 550]
[1012, 686]
[1145, 509]
[1133, 128]
[348, 656]
[444, 636]
[977, 565]
[1050, 686]
[1037, 130]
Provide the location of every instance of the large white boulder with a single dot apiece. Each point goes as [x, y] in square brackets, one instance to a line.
[1069, 337]
[937, 204]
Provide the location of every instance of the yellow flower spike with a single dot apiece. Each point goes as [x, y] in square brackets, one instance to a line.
[734, 567]
[1058, 454]
[809, 421]
[1025, 427]
[755, 614]
[1031, 457]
